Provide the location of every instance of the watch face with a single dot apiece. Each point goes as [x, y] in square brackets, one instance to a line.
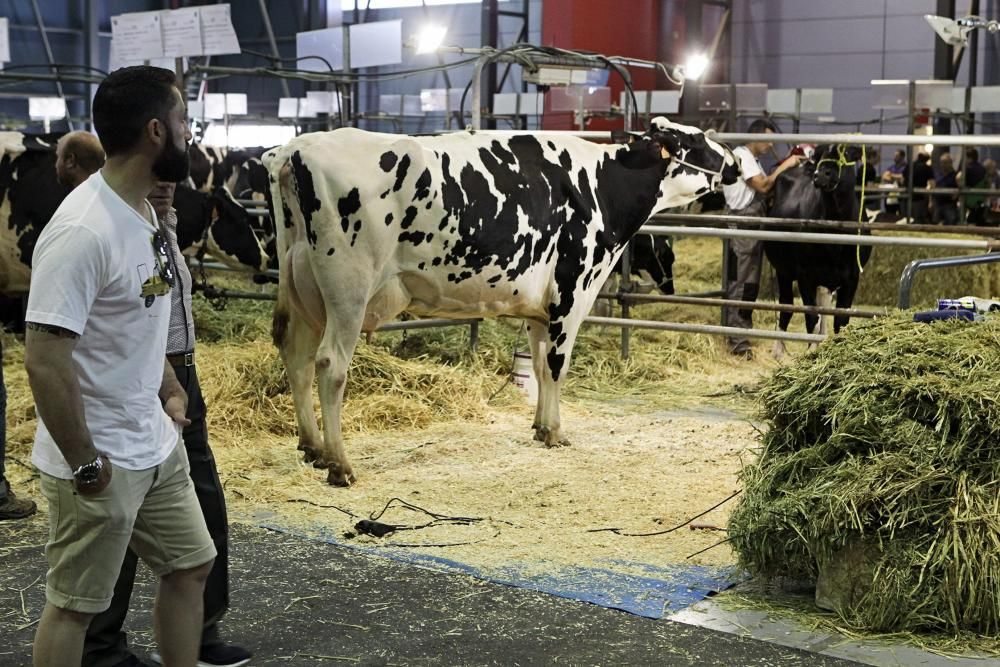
[88, 476]
[90, 473]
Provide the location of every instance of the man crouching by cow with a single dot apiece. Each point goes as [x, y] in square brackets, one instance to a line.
[461, 225]
[746, 198]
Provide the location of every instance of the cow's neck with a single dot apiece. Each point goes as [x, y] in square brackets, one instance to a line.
[840, 204]
[629, 205]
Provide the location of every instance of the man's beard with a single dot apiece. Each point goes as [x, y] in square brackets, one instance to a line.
[173, 164]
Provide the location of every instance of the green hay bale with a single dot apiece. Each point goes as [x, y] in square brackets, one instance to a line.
[883, 452]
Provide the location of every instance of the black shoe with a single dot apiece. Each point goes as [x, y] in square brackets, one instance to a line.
[133, 661]
[223, 655]
[218, 655]
[13, 508]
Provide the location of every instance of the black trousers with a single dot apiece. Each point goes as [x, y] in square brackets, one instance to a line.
[106, 643]
[3, 431]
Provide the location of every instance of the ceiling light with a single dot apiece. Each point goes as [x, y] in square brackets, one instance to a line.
[430, 38]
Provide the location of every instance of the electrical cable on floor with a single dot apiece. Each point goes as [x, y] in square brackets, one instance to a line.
[332, 507]
[618, 531]
[372, 526]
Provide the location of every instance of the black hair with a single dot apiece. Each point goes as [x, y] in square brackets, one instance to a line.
[972, 154]
[762, 125]
[923, 157]
[127, 100]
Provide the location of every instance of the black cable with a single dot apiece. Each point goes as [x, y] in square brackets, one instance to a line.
[618, 531]
[277, 59]
[720, 543]
[8, 68]
[332, 507]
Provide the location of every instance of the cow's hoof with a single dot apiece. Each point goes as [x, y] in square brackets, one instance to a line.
[549, 437]
[310, 454]
[340, 476]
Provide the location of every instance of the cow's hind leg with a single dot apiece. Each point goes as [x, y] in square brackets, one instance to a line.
[824, 299]
[343, 326]
[845, 299]
[296, 331]
[298, 351]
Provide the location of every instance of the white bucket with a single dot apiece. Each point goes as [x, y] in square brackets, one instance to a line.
[524, 376]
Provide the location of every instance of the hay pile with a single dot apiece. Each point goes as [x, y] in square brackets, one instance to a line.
[880, 475]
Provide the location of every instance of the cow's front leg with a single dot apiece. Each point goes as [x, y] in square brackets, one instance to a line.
[553, 355]
[786, 296]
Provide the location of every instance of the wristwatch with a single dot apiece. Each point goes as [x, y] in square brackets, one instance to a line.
[89, 473]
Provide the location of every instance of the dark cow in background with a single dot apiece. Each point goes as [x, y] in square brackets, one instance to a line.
[30, 195]
[460, 225]
[821, 189]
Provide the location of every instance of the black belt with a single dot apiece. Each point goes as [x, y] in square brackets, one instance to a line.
[182, 359]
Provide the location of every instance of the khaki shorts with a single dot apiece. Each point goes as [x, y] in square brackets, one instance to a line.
[155, 511]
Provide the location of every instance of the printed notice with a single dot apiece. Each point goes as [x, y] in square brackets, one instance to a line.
[137, 37]
[217, 33]
[181, 32]
[4, 42]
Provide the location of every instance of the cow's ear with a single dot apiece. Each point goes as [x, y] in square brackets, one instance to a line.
[666, 143]
[640, 155]
[624, 137]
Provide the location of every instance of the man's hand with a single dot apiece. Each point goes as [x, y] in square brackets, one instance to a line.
[176, 408]
[103, 479]
[173, 396]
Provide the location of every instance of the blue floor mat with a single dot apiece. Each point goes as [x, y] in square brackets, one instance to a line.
[661, 591]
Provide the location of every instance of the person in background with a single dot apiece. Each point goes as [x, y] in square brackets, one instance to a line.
[923, 178]
[974, 176]
[109, 406]
[993, 183]
[895, 175]
[746, 198]
[78, 155]
[106, 644]
[945, 205]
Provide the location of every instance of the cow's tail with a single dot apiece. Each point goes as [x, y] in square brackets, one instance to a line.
[275, 163]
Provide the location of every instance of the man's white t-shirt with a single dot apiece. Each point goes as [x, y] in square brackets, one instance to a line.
[88, 271]
[739, 195]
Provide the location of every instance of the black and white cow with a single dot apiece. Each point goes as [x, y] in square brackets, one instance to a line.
[820, 189]
[462, 225]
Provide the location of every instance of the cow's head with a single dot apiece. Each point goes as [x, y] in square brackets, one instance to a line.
[696, 165]
[836, 166]
[231, 235]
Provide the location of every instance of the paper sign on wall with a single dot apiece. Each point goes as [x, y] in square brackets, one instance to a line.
[137, 37]
[181, 32]
[46, 108]
[218, 36]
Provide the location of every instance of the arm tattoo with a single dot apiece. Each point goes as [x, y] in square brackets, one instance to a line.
[51, 329]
